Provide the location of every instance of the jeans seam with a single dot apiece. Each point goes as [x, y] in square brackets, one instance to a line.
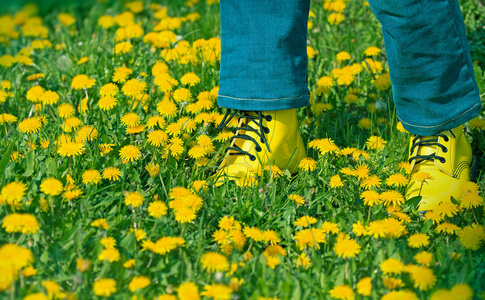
[253, 99]
[451, 120]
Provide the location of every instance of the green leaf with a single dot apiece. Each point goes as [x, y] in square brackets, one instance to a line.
[427, 225]
[29, 158]
[51, 167]
[6, 159]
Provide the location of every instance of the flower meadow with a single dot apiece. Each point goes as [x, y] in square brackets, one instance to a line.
[108, 139]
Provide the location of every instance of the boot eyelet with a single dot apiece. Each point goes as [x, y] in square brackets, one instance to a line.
[445, 150]
[252, 158]
[446, 139]
[443, 160]
[269, 118]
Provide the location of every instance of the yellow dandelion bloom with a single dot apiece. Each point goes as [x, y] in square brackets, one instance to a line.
[347, 248]
[51, 186]
[138, 282]
[392, 266]
[342, 292]
[111, 173]
[188, 291]
[110, 254]
[134, 199]
[418, 240]
[307, 164]
[472, 237]
[13, 192]
[104, 287]
[134, 88]
[157, 209]
[130, 153]
[24, 223]
[91, 177]
[423, 278]
[364, 286]
[297, 199]
[190, 79]
[214, 262]
[305, 221]
[30, 125]
[82, 81]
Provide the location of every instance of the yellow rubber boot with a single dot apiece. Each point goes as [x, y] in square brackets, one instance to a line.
[267, 138]
[447, 158]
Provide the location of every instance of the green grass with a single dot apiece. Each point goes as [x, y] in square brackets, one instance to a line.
[66, 234]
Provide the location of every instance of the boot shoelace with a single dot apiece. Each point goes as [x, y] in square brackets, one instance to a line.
[260, 131]
[429, 142]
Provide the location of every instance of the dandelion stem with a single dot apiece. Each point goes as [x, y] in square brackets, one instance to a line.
[470, 258]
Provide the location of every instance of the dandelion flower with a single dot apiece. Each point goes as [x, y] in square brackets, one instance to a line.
[396, 180]
[418, 240]
[376, 143]
[307, 164]
[346, 248]
[342, 292]
[121, 74]
[392, 266]
[51, 186]
[122, 48]
[104, 287]
[448, 228]
[134, 199]
[423, 278]
[130, 153]
[214, 262]
[297, 199]
[157, 138]
[107, 102]
[393, 198]
[188, 291]
[134, 88]
[130, 119]
[364, 286]
[309, 238]
[157, 209]
[305, 221]
[138, 282]
[190, 79]
[13, 192]
[70, 149]
[342, 56]
[462, 291]
[110, 254]
[372, 51]
[30, 125]
[471, 200]
[111, 173]
[424, 258]
[82, 81]
[24, 223]
[100, 223]
[91, 177]
[336, 181]
[472, 237]
[404, 294]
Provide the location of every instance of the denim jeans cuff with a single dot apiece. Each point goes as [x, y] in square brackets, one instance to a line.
[263, 104]
[427, 130]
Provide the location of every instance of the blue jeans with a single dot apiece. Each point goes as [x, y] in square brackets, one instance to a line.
[264, 60]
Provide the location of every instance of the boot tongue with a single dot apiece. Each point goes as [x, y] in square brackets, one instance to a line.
[427, 150]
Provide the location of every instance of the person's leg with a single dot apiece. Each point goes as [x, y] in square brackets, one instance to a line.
[434, 90]
[263, 54]
[263, 76]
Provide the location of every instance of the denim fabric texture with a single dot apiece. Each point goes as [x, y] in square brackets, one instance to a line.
[430, 66]
[264, 63]
[264, 60]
